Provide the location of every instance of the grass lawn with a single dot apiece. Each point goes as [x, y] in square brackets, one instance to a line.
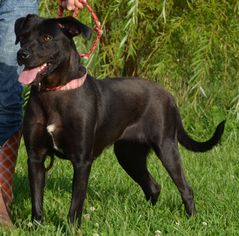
[198, 44]
[115, 205]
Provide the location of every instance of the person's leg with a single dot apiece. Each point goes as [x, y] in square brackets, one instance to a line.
[8, 157]
[10, 98]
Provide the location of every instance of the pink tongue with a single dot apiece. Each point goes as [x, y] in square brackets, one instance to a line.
[27, 76]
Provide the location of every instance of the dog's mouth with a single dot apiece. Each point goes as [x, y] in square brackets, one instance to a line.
[28, 75]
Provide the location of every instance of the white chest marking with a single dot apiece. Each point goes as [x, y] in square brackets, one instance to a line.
[50, 129]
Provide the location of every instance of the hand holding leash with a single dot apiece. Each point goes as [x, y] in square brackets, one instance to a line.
[71, 4]
[75, 5]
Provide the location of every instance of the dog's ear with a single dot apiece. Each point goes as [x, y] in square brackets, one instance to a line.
[71, 27]
[19, 25]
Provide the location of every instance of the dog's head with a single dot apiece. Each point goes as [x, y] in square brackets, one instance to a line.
[46, 45]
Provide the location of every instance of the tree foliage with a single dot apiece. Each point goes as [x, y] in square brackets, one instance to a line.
[189, 46]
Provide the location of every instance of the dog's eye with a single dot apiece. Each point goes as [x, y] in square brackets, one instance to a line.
[46, 37]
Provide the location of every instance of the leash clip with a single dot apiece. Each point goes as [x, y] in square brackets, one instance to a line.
[39, 86]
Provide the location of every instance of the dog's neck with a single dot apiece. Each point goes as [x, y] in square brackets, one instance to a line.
[69, 74]
[73, 84]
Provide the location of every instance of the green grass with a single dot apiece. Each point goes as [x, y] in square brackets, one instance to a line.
[116, 206]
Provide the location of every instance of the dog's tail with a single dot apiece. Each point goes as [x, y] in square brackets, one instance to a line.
[190, 144]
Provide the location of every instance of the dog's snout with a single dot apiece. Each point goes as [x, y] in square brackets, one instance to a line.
[23, 55]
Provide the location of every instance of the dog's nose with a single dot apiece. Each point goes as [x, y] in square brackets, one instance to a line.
[23, 55]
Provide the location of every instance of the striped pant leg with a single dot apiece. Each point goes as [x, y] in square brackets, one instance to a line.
[8, 157]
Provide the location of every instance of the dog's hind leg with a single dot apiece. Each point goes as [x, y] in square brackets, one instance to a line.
[169, 155]
[132, 157]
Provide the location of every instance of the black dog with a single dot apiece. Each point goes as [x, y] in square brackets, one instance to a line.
[75, 116]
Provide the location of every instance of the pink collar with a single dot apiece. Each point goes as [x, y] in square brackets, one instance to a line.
[73, 84]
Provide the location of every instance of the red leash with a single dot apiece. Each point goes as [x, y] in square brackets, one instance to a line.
[97, 27]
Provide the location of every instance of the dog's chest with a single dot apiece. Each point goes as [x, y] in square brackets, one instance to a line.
[55, 132]
[55, 123]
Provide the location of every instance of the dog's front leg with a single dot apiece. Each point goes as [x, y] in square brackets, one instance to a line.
[79, 189]
[36, 173]
[35, 139]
